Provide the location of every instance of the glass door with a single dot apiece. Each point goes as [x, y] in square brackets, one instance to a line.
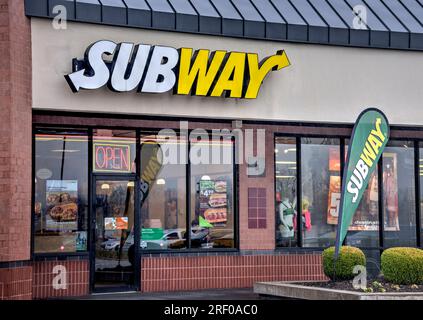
[113, 235]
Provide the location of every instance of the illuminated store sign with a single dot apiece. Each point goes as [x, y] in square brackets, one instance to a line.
[112, 158]
[158, 69]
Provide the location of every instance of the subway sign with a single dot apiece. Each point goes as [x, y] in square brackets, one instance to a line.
[159, 69]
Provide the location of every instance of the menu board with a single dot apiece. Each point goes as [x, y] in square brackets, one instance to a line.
[61, 205]
[214, 201]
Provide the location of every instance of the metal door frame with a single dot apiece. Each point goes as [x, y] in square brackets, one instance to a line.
[92, 224]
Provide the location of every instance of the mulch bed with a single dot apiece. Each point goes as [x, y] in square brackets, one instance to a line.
[373, 285]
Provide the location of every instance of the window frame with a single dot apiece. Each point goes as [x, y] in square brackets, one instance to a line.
[417, 144]
[136, 176]
[188, 205]
[47, 255]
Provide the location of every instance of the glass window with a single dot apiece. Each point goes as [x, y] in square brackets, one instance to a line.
[212, 185]
[399, 194]
[286, 191]
[421, 188]
[163, 192]
[321, 183]
[114, 151]
[61, 190]
[364, 229]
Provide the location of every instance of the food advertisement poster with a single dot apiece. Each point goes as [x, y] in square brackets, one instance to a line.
[116, 223]
[213, 201]
[61, 205]
[334, 199]
[390, 190]
[334, 159]
[366, 216]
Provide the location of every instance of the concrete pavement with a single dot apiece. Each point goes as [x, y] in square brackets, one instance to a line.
[218, 294]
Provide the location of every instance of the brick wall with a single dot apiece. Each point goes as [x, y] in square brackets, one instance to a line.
[196, 273]
[77, 279]
[258, 238]
[15, 131]
[16, 283]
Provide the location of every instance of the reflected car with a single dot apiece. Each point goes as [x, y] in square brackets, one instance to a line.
[111, 244]
[200, 238]
[169, 237]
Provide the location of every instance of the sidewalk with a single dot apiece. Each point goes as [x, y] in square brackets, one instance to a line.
[218, 294]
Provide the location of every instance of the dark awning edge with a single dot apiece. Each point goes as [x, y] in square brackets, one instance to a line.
[392, 24]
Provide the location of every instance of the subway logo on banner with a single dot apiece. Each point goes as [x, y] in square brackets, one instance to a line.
[158, 69]
[371, 151]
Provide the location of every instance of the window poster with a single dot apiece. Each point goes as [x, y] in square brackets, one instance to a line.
[334, 199]
[61, 205]
[366, 218]
[390, 190]
[213, 201]
[334, 159]
[116, 223]
[81, 241]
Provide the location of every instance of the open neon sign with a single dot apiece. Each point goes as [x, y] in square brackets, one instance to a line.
[112, 158]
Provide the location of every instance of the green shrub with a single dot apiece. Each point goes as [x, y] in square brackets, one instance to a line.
[403, 265]
[348, 258]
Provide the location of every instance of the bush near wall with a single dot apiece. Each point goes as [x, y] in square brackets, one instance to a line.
[403, 265]
[348, 258]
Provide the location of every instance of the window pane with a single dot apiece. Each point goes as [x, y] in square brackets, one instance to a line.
[286, 191]
[321, 182]
[398, 194]
[61, 191]
[364, 229]
[421, 188]
[163, 206]
[212, 209]
[114, 151]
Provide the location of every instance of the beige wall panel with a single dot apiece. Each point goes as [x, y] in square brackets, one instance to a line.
[323, 84]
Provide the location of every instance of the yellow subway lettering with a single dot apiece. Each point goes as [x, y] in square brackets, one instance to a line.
[232, 77]
[258, 71]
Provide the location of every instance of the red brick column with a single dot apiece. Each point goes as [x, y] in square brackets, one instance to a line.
[263, 236]
[15, 142]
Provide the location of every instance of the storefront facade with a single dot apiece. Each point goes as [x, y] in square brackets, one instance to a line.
[183, 187]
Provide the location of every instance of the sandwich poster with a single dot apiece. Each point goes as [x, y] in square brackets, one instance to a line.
[116, 223]
[213, 201]
[366, 217]
[61, 205]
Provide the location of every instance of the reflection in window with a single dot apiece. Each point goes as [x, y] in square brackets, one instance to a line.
[286, 192]
[114, 151]
[398, 194]
[321, 185]
[61, 191]
[163, 206]
[364, 229]
[212, 209]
